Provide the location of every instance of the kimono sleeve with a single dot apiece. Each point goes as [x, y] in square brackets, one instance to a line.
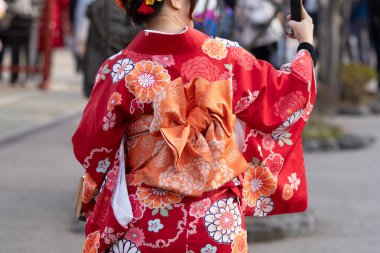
[272, 108]
[100, 132]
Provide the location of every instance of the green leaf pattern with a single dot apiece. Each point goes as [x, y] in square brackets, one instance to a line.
[164, 212]
[105, 71]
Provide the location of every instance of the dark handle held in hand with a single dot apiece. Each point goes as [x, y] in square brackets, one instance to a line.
[296, 10]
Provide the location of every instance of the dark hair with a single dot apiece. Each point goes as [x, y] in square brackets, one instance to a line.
[193, 4]
[132, 6]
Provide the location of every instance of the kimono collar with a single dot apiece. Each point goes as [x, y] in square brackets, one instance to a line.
[159, 32]
[157, 43]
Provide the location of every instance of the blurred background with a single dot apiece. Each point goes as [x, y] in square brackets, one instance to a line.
[50, 51]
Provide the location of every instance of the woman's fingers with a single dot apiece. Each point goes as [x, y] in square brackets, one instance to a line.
[293, 24]
[306, 15]
[290, 35]
[302, 31]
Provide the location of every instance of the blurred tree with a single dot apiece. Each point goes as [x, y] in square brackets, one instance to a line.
[334, 32]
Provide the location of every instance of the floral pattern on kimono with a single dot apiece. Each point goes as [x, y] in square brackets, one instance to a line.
[211, 132]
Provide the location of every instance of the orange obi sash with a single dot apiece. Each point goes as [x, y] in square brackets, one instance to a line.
[191, 146]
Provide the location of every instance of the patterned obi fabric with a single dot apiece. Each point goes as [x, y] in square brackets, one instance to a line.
[188, 146]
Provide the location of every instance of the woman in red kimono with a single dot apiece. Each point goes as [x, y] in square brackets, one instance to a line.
[210, 134]
[59, 20]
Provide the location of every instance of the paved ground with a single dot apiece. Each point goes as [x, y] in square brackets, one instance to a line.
[26, 108]
[344, 195]
[38, 173]
[38, 177]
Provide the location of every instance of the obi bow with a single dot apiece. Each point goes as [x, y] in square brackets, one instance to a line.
[191, 116]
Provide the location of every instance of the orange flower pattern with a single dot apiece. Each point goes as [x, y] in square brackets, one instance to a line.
[147, 81]
[91, 243]
[215, 49]
[114, 101]
[258, 182]
[240, 245]
[90, 189]
[287, 192]
[156, 197]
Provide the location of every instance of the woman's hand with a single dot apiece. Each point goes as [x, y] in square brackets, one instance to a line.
[302, 31]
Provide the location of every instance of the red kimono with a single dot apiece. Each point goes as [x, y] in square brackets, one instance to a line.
[210, 134]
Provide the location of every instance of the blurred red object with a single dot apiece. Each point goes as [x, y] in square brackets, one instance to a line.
[58, 11]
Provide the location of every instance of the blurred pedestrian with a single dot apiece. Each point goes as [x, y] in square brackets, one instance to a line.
[374, 28]
[215, 18]
[207, 17]
[72, 9]
[110, 31]
[359, 29]
[15, 34]
[59, 23]
[258, 27]
[227, 22]
[184, 134]
[231, 3]
[80, 26]
[3, 10]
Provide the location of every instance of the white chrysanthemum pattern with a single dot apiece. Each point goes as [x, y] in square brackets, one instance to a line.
[123, 246]
[223, 220]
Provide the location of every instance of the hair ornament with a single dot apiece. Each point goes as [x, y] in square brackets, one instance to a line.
[145, 8]
[151, 2]
[120, 4]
